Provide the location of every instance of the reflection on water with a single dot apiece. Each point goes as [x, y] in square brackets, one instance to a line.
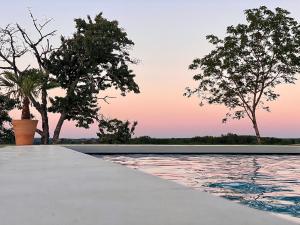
[265, 182]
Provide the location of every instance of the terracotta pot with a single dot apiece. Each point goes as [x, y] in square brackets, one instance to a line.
[24, 131]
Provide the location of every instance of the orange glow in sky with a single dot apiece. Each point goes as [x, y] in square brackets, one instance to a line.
[168, 35]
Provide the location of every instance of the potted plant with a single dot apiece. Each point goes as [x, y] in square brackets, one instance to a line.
[22, 87]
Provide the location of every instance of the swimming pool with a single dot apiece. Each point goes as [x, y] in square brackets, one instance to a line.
[265, 182]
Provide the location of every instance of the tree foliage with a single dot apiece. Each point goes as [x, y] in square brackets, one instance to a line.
[232, 139]
[6, 133]
[227, 139]
[21, 86]
[115, 131]
[246, 65]
[94, 59]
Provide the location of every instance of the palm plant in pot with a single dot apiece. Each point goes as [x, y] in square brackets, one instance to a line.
[22, 87]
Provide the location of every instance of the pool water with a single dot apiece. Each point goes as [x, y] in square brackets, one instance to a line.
[265, 182]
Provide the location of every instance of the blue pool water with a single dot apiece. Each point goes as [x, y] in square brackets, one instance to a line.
[265, 182]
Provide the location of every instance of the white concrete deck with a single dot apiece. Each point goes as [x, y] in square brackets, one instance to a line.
[52, 185]
[186, 149]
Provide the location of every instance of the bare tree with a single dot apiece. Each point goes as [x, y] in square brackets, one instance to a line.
[15, 42]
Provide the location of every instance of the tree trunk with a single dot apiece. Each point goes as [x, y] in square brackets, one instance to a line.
[25, 109]
[255, 126]
[62, 118]
[44, 114]
[45, 127]
[42, 109]
[58, 127]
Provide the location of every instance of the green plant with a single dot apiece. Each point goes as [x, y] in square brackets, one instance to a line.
[22, 87]
[245, 66]
[6, 133]
[95, 58]
[115, 131]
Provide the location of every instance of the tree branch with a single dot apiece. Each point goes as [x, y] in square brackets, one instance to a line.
[39, 131]
[6, 68]
[105, 98]
[33, 44]
[9, 44]
[36, 104]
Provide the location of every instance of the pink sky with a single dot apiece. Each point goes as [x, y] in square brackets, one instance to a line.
[168, 36]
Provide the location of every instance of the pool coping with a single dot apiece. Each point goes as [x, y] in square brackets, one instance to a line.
[185, 149]
[53, 185]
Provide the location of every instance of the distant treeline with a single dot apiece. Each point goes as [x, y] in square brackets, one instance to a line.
[223, 139]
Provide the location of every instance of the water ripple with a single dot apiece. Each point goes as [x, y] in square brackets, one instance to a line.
[265, 182]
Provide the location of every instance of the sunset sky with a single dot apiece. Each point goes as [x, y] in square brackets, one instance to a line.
[168, 35]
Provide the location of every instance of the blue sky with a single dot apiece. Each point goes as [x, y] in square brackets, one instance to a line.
[168, 35]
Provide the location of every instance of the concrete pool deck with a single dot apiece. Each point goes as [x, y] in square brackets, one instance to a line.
[53, 185]
[186, 149]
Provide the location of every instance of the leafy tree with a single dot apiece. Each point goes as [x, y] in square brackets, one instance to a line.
[94, 59]
[6, 133]
[115, 131]
[245, 66]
